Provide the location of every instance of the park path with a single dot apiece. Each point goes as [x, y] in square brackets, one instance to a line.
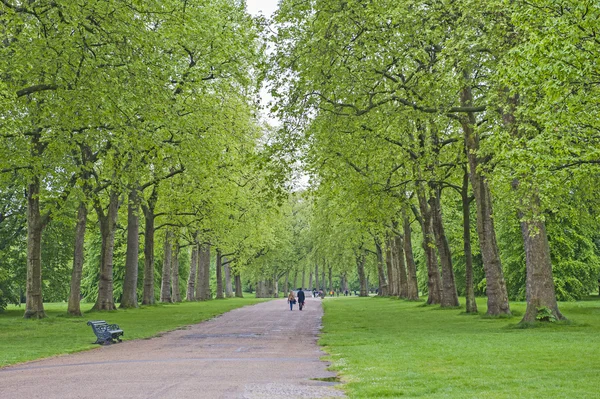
[262, 351]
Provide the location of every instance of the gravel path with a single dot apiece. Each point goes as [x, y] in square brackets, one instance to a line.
[262, 351]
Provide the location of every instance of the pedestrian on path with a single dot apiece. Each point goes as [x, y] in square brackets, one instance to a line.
[301, 299]
[291, 300]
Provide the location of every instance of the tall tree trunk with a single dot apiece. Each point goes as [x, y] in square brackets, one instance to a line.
[175, 292]
[75, 293]
[228, 283]
[540, 284]
[383, 285]
[310, 281]
[259, 289]
[219, 275]
[148, 297]
[238, 286]
[360, 266]
[295, 281]
[34, 307]
[317, 285]
[330, 269]
[433, 271]
[496, 286]
[470, 288]
[287, 282]
[324, 283]
[398, 248]
[275, 284]
[108, 227]
[411, 267]
[165, 286]
[191, 287]
[203, 282]
[304, 280]
[129, 298]
[389, 262]
[449, 294]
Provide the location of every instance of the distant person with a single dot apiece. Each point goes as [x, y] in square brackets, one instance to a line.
[301, 299]
[346, 293]
[291, 300]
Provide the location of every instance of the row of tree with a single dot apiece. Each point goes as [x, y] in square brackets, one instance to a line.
[118, 111]
[427, 113]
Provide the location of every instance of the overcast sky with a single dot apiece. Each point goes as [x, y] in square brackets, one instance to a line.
[264, 7]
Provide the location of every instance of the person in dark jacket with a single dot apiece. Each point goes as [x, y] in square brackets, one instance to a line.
[301, 299]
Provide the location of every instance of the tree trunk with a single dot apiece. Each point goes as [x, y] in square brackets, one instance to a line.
[360, 266]
[219, 294]
[228, 283]
[75, 293]
[398, 255]
[317, 285]
[148, 297]
[191, 287]
[449, 294]
[541, 295]
[287, 282]
[304, 280]
[310, 281]
[275, 283]
[330, 269]
[203, 282]
[108, 227]
[470, 288]
[433, 272]
[175, 293]
[324, 282]
[165, 286]
[383, 285]
[389, 262]
[238, 286]
[411, 267]
[34, 308]
[129, 298]
[295, 281]
[496, 286]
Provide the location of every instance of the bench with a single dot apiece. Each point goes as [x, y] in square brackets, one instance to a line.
[105, 333]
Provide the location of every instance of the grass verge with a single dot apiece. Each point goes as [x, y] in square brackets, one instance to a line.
[386, 348]
[23, 340]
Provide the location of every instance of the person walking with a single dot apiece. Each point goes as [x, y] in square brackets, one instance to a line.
[291, 300]
[301, 299]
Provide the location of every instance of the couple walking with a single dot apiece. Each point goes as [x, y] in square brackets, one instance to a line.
[292, 299]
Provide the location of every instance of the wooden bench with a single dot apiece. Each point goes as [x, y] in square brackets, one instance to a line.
[105, 333]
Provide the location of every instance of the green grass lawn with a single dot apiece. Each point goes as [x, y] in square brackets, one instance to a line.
[22, 340]
[388, 348]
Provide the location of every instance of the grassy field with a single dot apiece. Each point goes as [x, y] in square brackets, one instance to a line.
[387, 348]
[22, 340]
